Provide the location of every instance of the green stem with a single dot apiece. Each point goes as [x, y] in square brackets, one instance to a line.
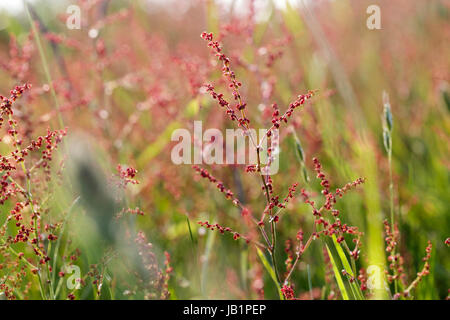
[391, 203]
[272, 252]
[44, 63]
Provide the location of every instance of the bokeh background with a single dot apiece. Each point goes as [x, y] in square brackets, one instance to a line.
[132, 74]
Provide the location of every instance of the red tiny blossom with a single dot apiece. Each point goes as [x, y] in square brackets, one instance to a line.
[136, 211]
[275, 116]
[61, 39]
[227, 72]
[156, 279]
[52, 237]
[362, 277]
[300, 236]
[341, 191]
[219, 184]
[222, 102]
[277, 119]
[348, 275]
[127, 175]
[424, 272]
[6, 103]
[291, 192]
[233, 84]
[18, 64]
[222, 230]
[288, 292]
[395, 259]
[428, 252]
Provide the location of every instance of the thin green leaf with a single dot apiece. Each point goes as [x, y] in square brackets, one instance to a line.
[270, 270]
[353, 285]
[337, 275]
[190, 230]
[343, 257]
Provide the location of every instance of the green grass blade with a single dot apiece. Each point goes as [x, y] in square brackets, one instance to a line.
[190, 230]
[346, 264]
[270, 270]
[342, 256]
[337, 275]
[208, 249]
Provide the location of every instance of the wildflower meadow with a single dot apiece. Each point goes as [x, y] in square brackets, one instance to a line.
[224, 150]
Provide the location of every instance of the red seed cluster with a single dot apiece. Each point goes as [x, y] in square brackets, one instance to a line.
[167, 272]
[127, 175]
[223, 103]
[288, 292]
[275, 50]
[226, 69]
[330, 198]
[222, 230]
[7, 103]
[424, 272]
[351, 185]
[291, 192]
[277, 119]
[335, 227]
[290, 255]
[19, 167]
[155, 282]
[19, 59]
[233, 84]
[395, 260]
[136, 211]
[219, 184]
[63, 40]
[275, 200]
[362, 277]
[275, 116]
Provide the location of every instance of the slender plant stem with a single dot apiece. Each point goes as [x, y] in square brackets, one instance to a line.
[391, 204]
[391, 189]
[272, 253]
[44, 63]
[352, 260]
[272, 247]
[299, 255]
[29, 197]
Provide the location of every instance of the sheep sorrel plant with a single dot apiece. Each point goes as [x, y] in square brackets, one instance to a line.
[327, 224]
[34, 242]
[25, 185]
